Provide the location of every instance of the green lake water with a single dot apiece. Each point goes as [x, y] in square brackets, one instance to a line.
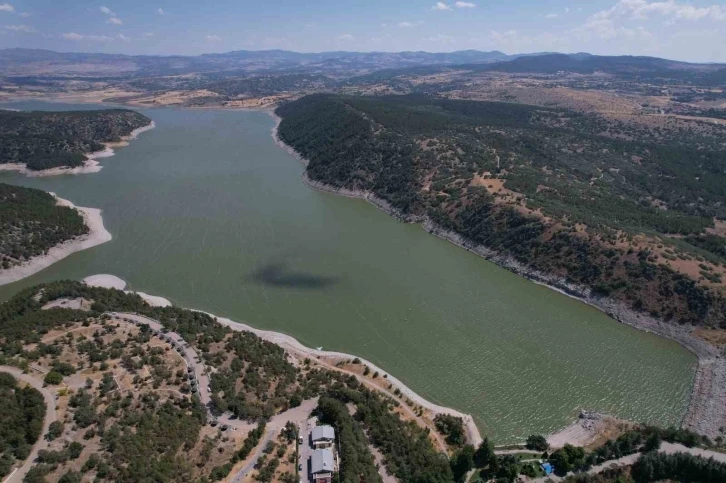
[207, 211]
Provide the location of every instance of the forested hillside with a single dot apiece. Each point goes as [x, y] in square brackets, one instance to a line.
[22, 410]
[32, 223]
[43, 140]
[137, 414]
[632, 212]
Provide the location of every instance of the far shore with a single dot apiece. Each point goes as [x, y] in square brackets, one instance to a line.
[96, 235]
[706, 411]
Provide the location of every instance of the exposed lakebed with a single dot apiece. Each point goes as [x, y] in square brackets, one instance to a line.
[208, 212]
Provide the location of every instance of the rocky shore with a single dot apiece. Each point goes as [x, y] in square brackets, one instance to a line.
[706, 412]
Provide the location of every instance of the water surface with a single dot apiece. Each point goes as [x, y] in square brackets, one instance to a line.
[207, 211]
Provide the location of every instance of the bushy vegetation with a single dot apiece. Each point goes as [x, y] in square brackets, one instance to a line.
[150, 435]
[452, 427]
[537, 442]
[44, 140]
[33, 223]
[406, 448]
[21, 420]
[357, 462]
[440, 159]
[654, 466]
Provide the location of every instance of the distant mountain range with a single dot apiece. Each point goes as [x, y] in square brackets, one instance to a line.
[30, 62]
[46, 62]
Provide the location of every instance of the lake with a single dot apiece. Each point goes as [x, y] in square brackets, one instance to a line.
[208, 212]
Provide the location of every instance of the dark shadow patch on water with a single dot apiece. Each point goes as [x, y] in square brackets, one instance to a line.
[279, 275]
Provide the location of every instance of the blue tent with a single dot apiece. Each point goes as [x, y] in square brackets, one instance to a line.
[547, 468]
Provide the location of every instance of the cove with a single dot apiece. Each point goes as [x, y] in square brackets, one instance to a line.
[208, 212]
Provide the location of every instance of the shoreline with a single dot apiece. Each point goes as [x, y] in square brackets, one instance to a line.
[295, 347]
[706, 410]
[90, 165]
[97, 234]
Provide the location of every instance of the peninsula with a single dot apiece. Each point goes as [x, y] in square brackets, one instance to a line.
[40, 229]
[47, 143]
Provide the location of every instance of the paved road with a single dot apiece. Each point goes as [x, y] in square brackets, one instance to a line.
[50, 416]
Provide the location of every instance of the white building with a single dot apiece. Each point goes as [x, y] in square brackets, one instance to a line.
[322, 465]
[323, 436]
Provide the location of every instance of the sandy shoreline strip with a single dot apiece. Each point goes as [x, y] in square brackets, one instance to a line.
[706, 411]
[105, 280]
[96, 235]
[90, 165]
[293, 346]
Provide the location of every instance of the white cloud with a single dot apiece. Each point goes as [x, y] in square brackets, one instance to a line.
[148, 35]
[465, 5]
[160, 11]
[440, 6]
[441, 39]
[6, 7]
[213, 38]
[642, 9]
[552, 15]
[20, 28]
[123, 37]
[24, 14]
[114, 21]
[405, 25]
[90, 38]
[346, 37]
[107, 11]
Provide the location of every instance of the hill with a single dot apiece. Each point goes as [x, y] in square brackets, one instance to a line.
[43, 140]
[129, 407]
[623, 66]
[615, 207]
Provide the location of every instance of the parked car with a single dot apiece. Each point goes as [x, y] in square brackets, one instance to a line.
[299, 468]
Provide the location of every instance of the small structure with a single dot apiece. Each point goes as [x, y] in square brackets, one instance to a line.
[322, 466]
[547, 468]
[322, 436]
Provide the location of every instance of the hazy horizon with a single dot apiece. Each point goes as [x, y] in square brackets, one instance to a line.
[672, 29]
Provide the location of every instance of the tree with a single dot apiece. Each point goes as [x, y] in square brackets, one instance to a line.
[537, 442]
[53, 378]
[653, 442]
[74, 450]
[54, 430]
[452, 427]
[568, 458]
[484, 454]
[462, 462]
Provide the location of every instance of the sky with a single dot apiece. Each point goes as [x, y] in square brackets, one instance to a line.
[675, 29]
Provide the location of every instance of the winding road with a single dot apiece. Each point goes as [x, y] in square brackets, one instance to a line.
[50, 416]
